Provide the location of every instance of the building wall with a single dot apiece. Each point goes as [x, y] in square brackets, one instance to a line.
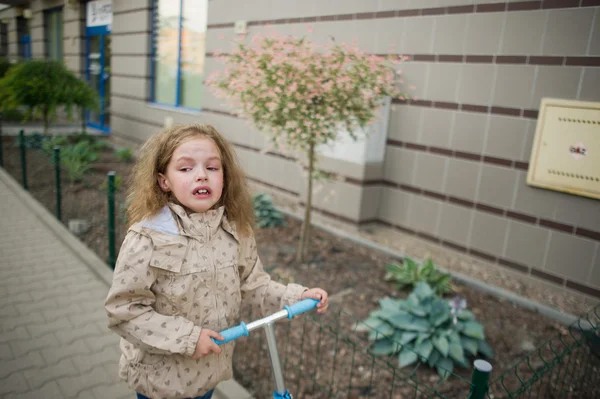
[456, 158]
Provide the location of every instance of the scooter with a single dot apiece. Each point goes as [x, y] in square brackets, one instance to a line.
[242, 330]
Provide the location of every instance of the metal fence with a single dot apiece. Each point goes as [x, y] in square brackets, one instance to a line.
[91, 208]
[566, 366]
[324, 356]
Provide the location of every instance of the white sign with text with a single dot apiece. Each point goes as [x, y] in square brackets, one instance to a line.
[99, 13]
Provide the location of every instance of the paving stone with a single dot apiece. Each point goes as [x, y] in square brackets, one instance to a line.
[14, 383]
[54, 355]
[21, 363]
[38, 377]
[23, 346]
[72, 386]
[50, 391]
[117, 391]
[5, 352]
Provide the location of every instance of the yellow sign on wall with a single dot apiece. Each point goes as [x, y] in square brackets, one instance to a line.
[566, 148]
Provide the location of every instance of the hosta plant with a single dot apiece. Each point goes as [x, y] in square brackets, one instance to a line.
[266, 214]
[425, 328]
[411, 273]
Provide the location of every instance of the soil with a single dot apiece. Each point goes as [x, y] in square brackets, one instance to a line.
[321, 355]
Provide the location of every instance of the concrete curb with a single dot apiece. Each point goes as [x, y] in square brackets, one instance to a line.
[563, 318]
[225, 390]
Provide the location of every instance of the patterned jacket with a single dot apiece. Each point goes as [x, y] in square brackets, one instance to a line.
[176, 274]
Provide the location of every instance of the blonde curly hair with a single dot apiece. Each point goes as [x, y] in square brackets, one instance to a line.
[145, 197]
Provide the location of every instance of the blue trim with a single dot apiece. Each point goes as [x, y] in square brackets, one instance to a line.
[152, 49]
[102, 125]
[176, 108]
[97, 30]
[87, 72]
[178, 82]
[101, 81]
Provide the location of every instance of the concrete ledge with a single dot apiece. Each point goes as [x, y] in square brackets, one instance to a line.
[230, 389]
[563, 318]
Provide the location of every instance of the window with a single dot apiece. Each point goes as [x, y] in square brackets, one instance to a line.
[24, 35]
[3, 39]
[178, 47]
[53, 32]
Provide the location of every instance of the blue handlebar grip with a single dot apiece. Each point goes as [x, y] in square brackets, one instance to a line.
[232, 333]
[301, 307]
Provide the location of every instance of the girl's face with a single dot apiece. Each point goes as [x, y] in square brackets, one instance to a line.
[194, 174]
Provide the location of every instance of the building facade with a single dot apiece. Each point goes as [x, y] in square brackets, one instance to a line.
[451, 166]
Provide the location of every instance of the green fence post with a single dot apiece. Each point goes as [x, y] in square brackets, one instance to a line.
[23, 160]
[1, 154]
[57, 175]
[480, 379]
[111, 219]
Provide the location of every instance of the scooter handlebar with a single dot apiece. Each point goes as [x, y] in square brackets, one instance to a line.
[301, 307]
[241, 330]
[232, 333]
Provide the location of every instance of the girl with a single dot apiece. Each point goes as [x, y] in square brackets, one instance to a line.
[188, 260]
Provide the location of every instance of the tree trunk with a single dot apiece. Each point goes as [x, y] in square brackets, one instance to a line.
[46, 122]
[305, 232]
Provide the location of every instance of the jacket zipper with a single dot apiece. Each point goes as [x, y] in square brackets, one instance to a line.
[214, 284]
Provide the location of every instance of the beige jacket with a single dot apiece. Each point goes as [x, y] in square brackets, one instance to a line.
[175, 274]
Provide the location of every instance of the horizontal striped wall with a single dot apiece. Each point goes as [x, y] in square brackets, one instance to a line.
[458, 152]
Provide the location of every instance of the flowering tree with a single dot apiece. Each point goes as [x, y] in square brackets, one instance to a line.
[304, 95]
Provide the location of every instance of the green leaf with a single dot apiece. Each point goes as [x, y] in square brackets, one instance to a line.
[383, 331]
[385, 347]
[423, 336]
[419, 325]
[473, 329]
[454, 338]
[418, 311]
[434, 358]
[368, 324]
[403, 321]
[485, 349]
[407, 357]
[390, 304]
[424, 349]
[469, 345]
[456, 353]
[444, 367]
[423, 290]
[408, 337]
[426, 268]
[441, 344]
[465, 315]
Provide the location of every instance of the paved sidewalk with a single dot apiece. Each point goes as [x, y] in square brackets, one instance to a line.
[54, 342]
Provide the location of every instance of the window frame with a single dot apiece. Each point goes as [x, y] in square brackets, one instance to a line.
[153, 39]
[47, 13]
[4, 40]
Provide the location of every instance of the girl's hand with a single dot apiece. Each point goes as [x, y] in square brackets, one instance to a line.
[205, 344]
[319, 294]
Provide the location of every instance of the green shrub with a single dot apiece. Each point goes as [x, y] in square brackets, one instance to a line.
[411, 273]
[42, 86]
[77, 159]
[13, 115]
[53, 141]
[426, 328]
[118, 180]
[266, 214]
[32, 141]
[124, 154]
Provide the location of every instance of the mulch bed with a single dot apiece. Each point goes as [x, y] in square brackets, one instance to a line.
[323, 358]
